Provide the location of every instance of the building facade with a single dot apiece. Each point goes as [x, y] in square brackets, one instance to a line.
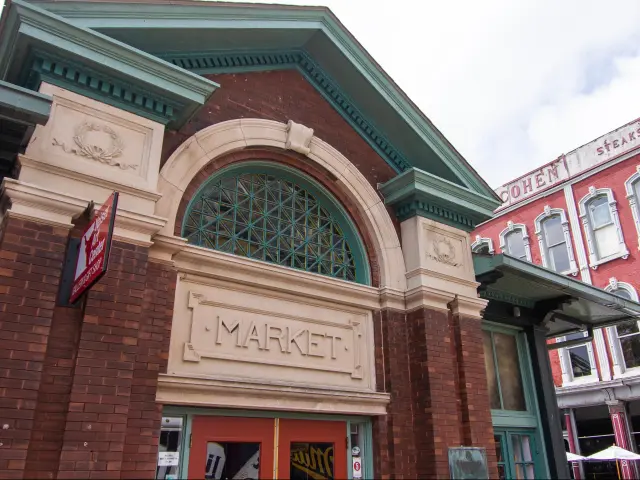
[266, 312]
[579, 215]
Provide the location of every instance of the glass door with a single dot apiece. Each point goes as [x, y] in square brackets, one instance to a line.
[312, 450]
[516, 452]
[231, 447]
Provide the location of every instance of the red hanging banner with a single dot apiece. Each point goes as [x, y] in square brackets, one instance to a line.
[95, 245]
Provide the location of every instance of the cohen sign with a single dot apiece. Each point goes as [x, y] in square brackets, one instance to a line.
[93, 253]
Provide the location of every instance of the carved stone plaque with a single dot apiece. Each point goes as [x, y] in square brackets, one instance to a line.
[255, 336]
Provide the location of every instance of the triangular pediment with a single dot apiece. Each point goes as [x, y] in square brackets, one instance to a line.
[211, 37]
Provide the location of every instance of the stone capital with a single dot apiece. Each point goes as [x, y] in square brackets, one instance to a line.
[468, 306]
[36, 203]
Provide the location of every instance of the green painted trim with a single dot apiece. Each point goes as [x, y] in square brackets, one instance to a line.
[363, 272]
[212, 63]
[492, 294]
[107, 16]
[85, 81]
[564, 285]
[24, 106]
[415, 192]
[366, 453]
[542, 455]
[93, 57]
[175, 410]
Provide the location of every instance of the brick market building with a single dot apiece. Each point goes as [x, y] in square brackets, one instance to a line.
[291, 288]
[579, 215]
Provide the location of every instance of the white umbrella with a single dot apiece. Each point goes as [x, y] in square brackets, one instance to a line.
[613, 453]
[572, 457]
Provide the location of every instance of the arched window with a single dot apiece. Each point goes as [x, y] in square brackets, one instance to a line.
[632, 186]
[514, 241]
[599, 215]
[624, 338]
[482, 245]
[277, 215]
[552, 230]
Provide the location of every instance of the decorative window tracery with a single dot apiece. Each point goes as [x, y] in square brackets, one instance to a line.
[554, 238]
[514, 241]
[277, 215]
[601, 223]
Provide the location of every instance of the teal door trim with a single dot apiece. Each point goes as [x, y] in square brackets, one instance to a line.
[188, 413]
[530, 419]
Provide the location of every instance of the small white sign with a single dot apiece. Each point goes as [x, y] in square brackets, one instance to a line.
[168, 459]
[357, 467]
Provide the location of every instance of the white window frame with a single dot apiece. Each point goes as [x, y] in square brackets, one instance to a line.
[623, 252]
[525, 238]
[619, 368]
[481, 241]
[567, 371]
[546, 260]
[633, 200]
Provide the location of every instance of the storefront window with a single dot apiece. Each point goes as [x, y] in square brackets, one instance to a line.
[504, 375]
[232, 460]
[169, 448]
[310, 461]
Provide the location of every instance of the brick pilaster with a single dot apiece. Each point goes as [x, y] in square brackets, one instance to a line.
[103, 379]
[145, 415]
[477, 426]
[393, 434]
[31, 256]
[435, 398]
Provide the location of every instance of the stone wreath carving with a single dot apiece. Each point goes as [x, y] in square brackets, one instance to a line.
[95, 152]
[444, 252]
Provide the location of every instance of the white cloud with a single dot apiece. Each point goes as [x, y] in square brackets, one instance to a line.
[512, 84]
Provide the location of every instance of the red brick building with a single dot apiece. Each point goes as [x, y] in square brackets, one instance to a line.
[290, 292]
[579, 215]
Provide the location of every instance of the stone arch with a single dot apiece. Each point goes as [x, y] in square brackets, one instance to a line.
[226, 137]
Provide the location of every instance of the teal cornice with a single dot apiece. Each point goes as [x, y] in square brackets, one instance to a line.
[78, 78]
[23, 106]
[415, 192]
[37, 45]
[210, 63]
[263, 23]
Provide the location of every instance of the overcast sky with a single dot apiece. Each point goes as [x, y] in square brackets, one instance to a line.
[512, 84]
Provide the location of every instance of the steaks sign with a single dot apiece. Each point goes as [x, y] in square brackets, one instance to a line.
[95, 245]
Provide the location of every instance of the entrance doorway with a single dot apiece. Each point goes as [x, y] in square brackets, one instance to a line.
[237, 447]
[517, 454]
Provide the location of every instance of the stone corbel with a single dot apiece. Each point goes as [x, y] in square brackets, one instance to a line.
[137, 228]
[298, 138]
[468, 307]
[164, 247]
[32, 202]
[427, 297]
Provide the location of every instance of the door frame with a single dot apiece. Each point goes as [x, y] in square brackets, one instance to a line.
[507, 449]
[187, 413]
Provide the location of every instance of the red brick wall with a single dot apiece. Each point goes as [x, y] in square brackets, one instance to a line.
[556, 368]
[394, 444]
[526, 215]
[432, 365]
[282, 95]
[31, 258]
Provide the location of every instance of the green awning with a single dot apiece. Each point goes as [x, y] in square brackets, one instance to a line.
[563, 303]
